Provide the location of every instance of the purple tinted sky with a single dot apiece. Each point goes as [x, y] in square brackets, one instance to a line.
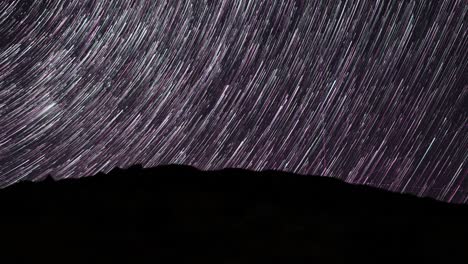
[372, 92]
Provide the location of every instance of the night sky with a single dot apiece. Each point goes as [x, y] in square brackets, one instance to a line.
[371, 92]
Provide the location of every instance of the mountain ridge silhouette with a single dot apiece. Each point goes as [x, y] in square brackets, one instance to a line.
[232, 216]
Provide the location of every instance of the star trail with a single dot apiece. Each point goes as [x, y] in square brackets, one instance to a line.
[371, 92]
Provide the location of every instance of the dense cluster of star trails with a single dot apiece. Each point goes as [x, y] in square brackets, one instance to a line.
[372, 92]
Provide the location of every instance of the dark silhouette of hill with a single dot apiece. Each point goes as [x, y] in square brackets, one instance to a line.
[181, 214]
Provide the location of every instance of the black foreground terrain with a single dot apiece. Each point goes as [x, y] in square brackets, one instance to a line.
[175, 214]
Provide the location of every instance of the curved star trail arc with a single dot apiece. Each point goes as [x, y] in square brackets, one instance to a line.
[373, 92]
